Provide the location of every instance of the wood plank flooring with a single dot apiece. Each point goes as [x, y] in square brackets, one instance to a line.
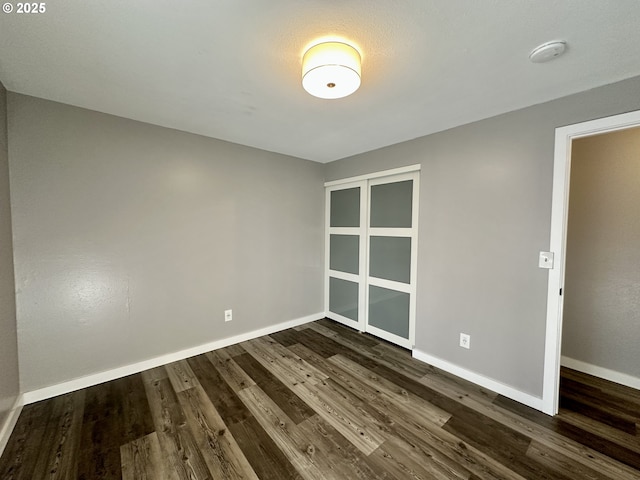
[321, 401]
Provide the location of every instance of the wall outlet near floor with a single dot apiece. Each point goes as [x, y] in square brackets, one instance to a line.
[228, 315]
[465, 340]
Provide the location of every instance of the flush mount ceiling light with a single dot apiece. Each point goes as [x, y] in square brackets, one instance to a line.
[331, 70]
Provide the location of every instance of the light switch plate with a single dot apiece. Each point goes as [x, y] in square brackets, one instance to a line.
[545, 260]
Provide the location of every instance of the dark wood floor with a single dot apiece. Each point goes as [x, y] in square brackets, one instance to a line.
[320, 402]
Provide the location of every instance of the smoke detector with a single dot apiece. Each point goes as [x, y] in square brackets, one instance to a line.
[547, 51]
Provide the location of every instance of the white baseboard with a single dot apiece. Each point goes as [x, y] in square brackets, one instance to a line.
[10, 423]
[97, 378]
[486, 382]
[596, 371]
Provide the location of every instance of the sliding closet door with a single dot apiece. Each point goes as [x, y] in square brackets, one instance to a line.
[392, 249]
[346, 209]
[371, 248]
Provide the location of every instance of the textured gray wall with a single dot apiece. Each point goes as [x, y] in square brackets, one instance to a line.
[131, 239]
[485, 212]
[8, 340]
[602, 280]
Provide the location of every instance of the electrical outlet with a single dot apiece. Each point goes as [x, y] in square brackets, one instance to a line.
[228, 315]
[465, 340]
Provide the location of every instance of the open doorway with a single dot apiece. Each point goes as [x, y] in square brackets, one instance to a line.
[565, 138]
[600, 359]
[601, 315]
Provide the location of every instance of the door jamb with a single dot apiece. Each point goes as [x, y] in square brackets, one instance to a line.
[558, 242]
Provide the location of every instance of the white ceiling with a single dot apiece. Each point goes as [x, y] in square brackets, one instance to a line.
[230, 69]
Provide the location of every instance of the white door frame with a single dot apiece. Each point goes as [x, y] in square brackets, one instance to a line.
[558, 242]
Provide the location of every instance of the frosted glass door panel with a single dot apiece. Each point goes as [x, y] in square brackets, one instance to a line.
[344, 253]
[345, 208]
[371, 244]
[391, 205]
[390, 258]
[343, 298]
[389, 310]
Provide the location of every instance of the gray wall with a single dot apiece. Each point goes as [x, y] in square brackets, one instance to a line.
[602, 280]
[8, 339]
[131, 239]
[485, 209]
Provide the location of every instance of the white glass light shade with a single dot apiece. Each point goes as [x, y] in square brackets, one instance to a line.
[331, 70]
